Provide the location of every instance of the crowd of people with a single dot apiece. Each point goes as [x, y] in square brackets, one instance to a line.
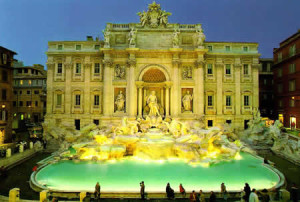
[247, 195]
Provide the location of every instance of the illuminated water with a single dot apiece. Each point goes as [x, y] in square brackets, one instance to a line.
[125, 176]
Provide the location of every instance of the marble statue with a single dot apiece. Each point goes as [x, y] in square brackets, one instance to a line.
[200, 37]
[120, 102]
[154, 17]
[106, 34]
[119, 72]
[176, 38]
[132, 37]
[187, 73]
[186, 101]
[152, 103]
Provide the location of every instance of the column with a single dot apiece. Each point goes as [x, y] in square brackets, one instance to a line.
[199, 88]
[132, 89]
[167, 101]
[255, 77]
[175, 100]
[219, 99]
[237, 69]
[162, 97]
[140, 101]
[50, 76]
[107, 88]
[87, 94]
[68, 93]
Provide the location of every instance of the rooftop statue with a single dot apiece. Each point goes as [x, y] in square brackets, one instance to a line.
[106, 34]
[154, 17]
[200, 37]
[132, 37]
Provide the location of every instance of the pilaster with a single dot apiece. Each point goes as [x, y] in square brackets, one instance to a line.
[107, 87]
[175, 100]
[219, 99]
[87, 79]
[131, 87]
[199, 86]
[68, 93]
[237, 69]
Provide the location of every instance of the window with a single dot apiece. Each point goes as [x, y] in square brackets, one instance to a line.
[21, 103]
[28, 103]
[97, 68]
[36, 103]
[36, 92]
[292, 68]
[77, 124]
[210, 48]
[280, 103]
[228, 121]
[4, 76]
[78, 68]
[96, 121]
[209, 123]
[210, 100]
[264, 67]
[77, 100]
[245, 48]
[26, 71]
[58, 99]
[20, 92]
[59, 68]
[19, 71]
[246, 69]
[28, 92]
[209, 69]
[279, 88]
[228, 100]
[265, 81]
[279, 57]
[96, 100]
[246, 100]
[15, 92]
[78, 47]
[246, 124]
[59, 47]
[14, 103]
[29, 82]
[265, 96]
[4, 58]
[3, 94]
[292, 103]
[292, 85]
[97, 47]
[227, 48]
[292, 50]
[228, 69]
[279, 73]
[21, 82]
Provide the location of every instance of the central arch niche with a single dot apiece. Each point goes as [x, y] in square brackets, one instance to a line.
[154, 75]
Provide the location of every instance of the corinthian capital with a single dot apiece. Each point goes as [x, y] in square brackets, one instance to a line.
[199, 62]
[108, 62]
[176, 61]
[131, 62]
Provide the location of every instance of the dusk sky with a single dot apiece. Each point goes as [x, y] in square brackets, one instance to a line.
[26, 26]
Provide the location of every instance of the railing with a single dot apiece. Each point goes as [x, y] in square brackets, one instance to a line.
[121, 26]
[188, 26]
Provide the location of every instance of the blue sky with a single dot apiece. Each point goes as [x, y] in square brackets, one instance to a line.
[27, 25]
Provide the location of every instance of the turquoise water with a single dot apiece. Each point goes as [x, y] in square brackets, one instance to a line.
[125, 176]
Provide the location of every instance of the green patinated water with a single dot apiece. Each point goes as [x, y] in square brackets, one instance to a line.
[125, 176]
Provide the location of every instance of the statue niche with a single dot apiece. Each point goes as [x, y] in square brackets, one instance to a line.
[153, 105]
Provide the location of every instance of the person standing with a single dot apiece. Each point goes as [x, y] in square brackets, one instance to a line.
[253, 196]
[212, 197]
[170, 192]
[247, 191]
[201, 197]
[294, 193]
[182, 191]
[97, 191]
[224, 191]
[193, 196]
[142, 190]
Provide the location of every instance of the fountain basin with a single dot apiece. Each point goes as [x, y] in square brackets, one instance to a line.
[124, 176]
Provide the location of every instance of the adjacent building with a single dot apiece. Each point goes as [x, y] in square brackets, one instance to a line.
[152, 68]
[286, 71]
[266, 89]
[6, 94]
[29, 99]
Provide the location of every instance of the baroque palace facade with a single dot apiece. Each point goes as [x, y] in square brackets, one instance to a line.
[152, 68]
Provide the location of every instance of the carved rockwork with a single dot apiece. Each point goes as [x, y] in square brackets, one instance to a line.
[154, 17]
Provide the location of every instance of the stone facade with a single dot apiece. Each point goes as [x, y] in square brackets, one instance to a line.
[6, 94]
[29, 94]
[189, 77]
[286, 71]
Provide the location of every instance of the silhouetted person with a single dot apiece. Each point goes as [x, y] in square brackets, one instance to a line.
[265, 195]
[247, 191]
[169, 191]
[294, 193]
[142, 190]
[97, 191]
[193, 196]
[212, 197]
